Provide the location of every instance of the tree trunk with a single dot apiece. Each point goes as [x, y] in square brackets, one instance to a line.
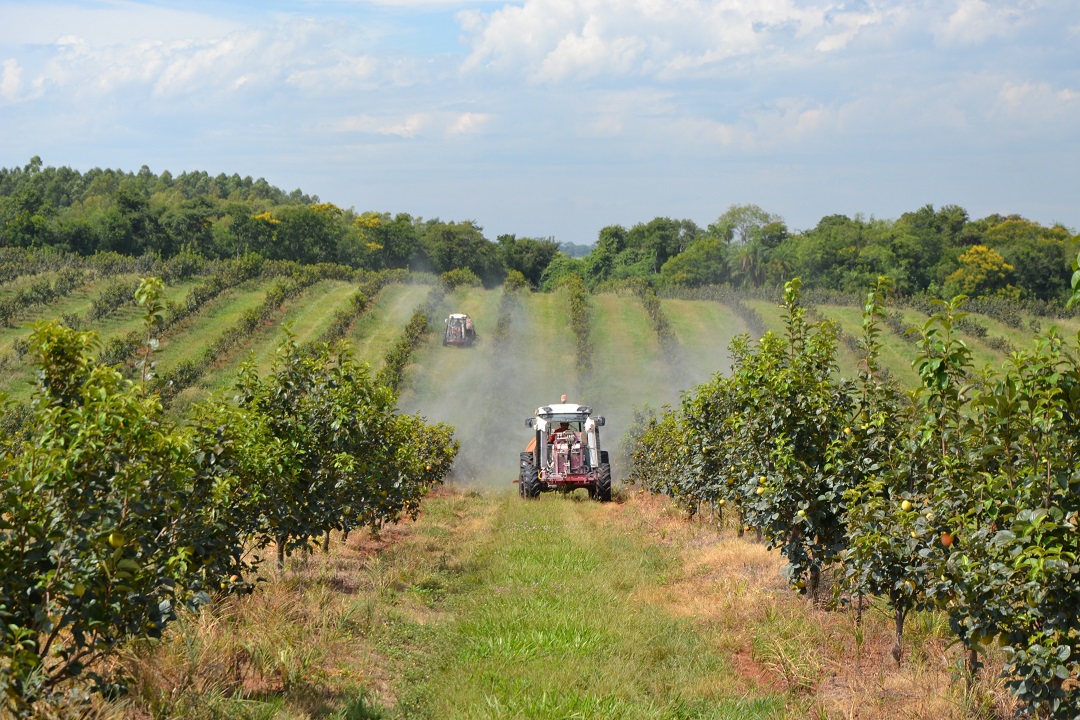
[281, 553]
[326, 542]
[972, 666]
[815, 581]
[898, 646]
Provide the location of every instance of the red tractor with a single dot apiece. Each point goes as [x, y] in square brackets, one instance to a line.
[565, 453]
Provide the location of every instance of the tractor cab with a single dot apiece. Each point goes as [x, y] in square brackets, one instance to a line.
[567, 439]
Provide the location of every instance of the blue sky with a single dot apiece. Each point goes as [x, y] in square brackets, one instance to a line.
[554, 118]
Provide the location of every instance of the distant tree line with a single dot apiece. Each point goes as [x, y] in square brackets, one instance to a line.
[939, 252]
[229, 216]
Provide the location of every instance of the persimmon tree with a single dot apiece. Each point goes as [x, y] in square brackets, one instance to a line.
[344, 457]
[888, 507]
[106, 524]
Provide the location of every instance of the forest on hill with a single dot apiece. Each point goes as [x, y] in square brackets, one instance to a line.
[939, 252]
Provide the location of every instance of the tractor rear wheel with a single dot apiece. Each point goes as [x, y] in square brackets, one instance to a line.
[530, 478]
[603, 483]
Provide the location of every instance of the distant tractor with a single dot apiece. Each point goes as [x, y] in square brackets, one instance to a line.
[459, 330]
[565, 453]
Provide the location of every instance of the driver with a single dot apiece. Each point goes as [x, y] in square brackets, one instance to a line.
[563, 427]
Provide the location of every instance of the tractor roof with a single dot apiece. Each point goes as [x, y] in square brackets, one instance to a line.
[458, 316]
[556, 409]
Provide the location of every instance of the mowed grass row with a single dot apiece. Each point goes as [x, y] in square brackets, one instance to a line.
[450, 375]
[555, 608]
[627, 360]
[487, 393]
[378, 329]
[704, 331]
[896, 352]
[195, 333]
[446, 383]
[492, 606]
[546, 365]
[306, 316]
[19, 381]
[773, 316]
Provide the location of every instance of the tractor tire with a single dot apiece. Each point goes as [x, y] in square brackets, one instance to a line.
[603, 483]
[526, 460]
[530, 478]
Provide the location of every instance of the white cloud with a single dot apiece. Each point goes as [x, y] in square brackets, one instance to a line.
[108, 23]
[553, 40]
[468, 123]
[408, 126]
[789, 122]
[975, 21]
[348, 71]
[1042, 101]
[300, 54]
[215, 65]
[415, 124]
[709, 134]
[11, 80]
[848, 26]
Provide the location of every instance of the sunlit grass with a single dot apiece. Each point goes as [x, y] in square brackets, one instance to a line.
[704, 330]
[19, 380]
[491, 606]
[307, 315]
[196, 333]
[897, 353]
[379, 327]
[551, 623]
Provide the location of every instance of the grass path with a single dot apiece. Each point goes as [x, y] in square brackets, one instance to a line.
[484, 396]
[624, 343]
[445, 383]
[544, 355]
[487, 398]
[18, 381]
[215, 317]
[374, 333]
[896, 352]
[558, 611]
[704, 331]
[490, 606]
[442, 381]
[308, 315]
[847, 361]
[629, 369]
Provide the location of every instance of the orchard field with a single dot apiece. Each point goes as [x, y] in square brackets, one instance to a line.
[486, 605]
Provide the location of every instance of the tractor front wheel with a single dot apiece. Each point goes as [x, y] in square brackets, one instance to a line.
[603, 483]
[530, 478]
[526, 460]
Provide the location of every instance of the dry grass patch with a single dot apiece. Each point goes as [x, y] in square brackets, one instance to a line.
[778, 640]
[303, 644]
